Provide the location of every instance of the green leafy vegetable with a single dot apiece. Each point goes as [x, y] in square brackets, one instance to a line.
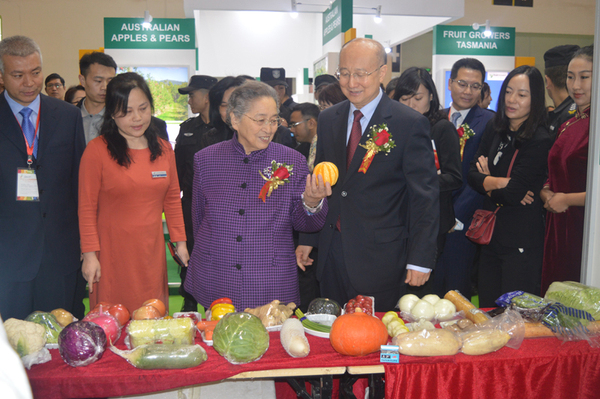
[240, 338]
[575, 295]
[49, 322]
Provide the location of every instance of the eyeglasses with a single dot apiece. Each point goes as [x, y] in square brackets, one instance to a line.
[345, 75]
[464, 85]
[54, 85]
[276, 122]
[293, 125]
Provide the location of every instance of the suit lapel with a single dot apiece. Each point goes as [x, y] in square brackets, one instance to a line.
[472, 115]
[47, 121]
[10, 126]
[340, 128]
[381, 115]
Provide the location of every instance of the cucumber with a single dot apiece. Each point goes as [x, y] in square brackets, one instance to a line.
[163, 356]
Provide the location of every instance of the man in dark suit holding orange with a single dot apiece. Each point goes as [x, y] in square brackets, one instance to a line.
[41, 143]
[381, 229]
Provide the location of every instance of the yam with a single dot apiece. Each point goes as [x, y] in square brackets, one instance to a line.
[471, 312]
[480, 342]
[436, 342]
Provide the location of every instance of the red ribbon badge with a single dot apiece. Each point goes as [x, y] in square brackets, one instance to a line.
[276, 180]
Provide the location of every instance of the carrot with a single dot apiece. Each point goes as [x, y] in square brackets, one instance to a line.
[203, 325]
[538, 330]
[208, 333]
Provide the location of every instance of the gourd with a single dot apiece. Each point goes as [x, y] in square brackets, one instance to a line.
[324, 306]
[328, 170]
[163, 356]
[293, 339]
[357, 334]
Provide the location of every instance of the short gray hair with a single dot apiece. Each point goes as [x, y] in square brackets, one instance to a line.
[243, 96]
[18, 46]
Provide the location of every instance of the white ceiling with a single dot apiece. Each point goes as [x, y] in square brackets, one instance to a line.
[453, 9]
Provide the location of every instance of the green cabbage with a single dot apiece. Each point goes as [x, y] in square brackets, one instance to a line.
[577, 296]
[240, 338]
[49, 322]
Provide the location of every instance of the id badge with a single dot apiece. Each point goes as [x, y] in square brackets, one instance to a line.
[27, 187]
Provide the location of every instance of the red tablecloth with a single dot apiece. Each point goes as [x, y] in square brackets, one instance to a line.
[113, 376]
[541, 368]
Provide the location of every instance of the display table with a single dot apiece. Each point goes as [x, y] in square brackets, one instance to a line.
[113, 376]
[543, 367]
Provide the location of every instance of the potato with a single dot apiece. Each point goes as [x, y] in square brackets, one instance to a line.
[436, 342]
[480, 342]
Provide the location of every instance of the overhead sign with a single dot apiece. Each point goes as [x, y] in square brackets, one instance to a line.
[464, 40]
[163, 33]
[337, 19]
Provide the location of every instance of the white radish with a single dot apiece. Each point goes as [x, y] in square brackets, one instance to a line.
[293, 339]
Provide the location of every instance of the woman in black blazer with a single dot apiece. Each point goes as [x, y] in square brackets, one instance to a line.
[513, 259]
[415, 88]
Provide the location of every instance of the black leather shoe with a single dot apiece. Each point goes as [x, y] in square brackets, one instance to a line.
[189, 305]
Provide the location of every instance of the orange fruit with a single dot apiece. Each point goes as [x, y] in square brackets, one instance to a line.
[158, 304]
[146, 312]
[329, 172]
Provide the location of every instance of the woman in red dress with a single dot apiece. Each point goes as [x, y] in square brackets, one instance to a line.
[564, 192]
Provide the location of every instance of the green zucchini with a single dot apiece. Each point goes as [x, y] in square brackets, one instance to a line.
[163, 356]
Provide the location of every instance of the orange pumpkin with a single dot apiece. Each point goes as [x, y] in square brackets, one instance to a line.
[357, 334]
[329, 172]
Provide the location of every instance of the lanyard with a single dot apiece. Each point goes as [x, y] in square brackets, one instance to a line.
[30, 147]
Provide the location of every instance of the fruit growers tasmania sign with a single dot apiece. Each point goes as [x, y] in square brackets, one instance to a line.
[464, 40]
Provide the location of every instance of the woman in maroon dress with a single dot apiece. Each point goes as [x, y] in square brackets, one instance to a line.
[564, 192]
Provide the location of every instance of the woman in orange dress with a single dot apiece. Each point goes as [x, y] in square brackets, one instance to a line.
[127, 178]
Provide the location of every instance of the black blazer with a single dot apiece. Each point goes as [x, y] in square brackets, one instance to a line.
[517, 226]
[48, 230]
[466, 200]
[447, 147]
[390, 214]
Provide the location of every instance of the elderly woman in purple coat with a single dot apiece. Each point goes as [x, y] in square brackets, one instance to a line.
[249, 194]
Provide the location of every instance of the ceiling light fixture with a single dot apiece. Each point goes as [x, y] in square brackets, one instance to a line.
[147, 19]
[487, 32]
[378, 14]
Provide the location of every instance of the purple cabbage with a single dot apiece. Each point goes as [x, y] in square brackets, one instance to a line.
[81, 343]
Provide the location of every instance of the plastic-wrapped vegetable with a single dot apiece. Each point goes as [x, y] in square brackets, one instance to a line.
[324, 306]
[164, 331]
[240, 338]
[159, 356]
[576, 295]
[49, 322]
[81, 343]
[24, 336]
[109, 324]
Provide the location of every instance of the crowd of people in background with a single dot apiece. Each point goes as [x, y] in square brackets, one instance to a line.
[95, 172]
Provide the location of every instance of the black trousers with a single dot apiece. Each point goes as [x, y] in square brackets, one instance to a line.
[335, 282]
[505, 269]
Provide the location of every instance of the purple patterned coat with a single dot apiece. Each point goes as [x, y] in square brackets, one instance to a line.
[243, 246]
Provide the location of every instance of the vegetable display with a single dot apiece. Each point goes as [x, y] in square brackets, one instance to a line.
[240, 338]
[49, 322]
[357, 334]
[81, 343]
[163, 331]
[274, 313]
[159, 356]
[293, 339]
[429, 308]
[324, 306]
[24, 336]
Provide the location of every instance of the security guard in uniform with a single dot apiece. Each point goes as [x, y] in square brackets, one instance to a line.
[556, 61]
[188, 142]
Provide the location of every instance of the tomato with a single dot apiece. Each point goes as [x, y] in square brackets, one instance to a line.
[120, 312]
[359, 298]
[158, 304]
[146, 312]
[220, 300]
